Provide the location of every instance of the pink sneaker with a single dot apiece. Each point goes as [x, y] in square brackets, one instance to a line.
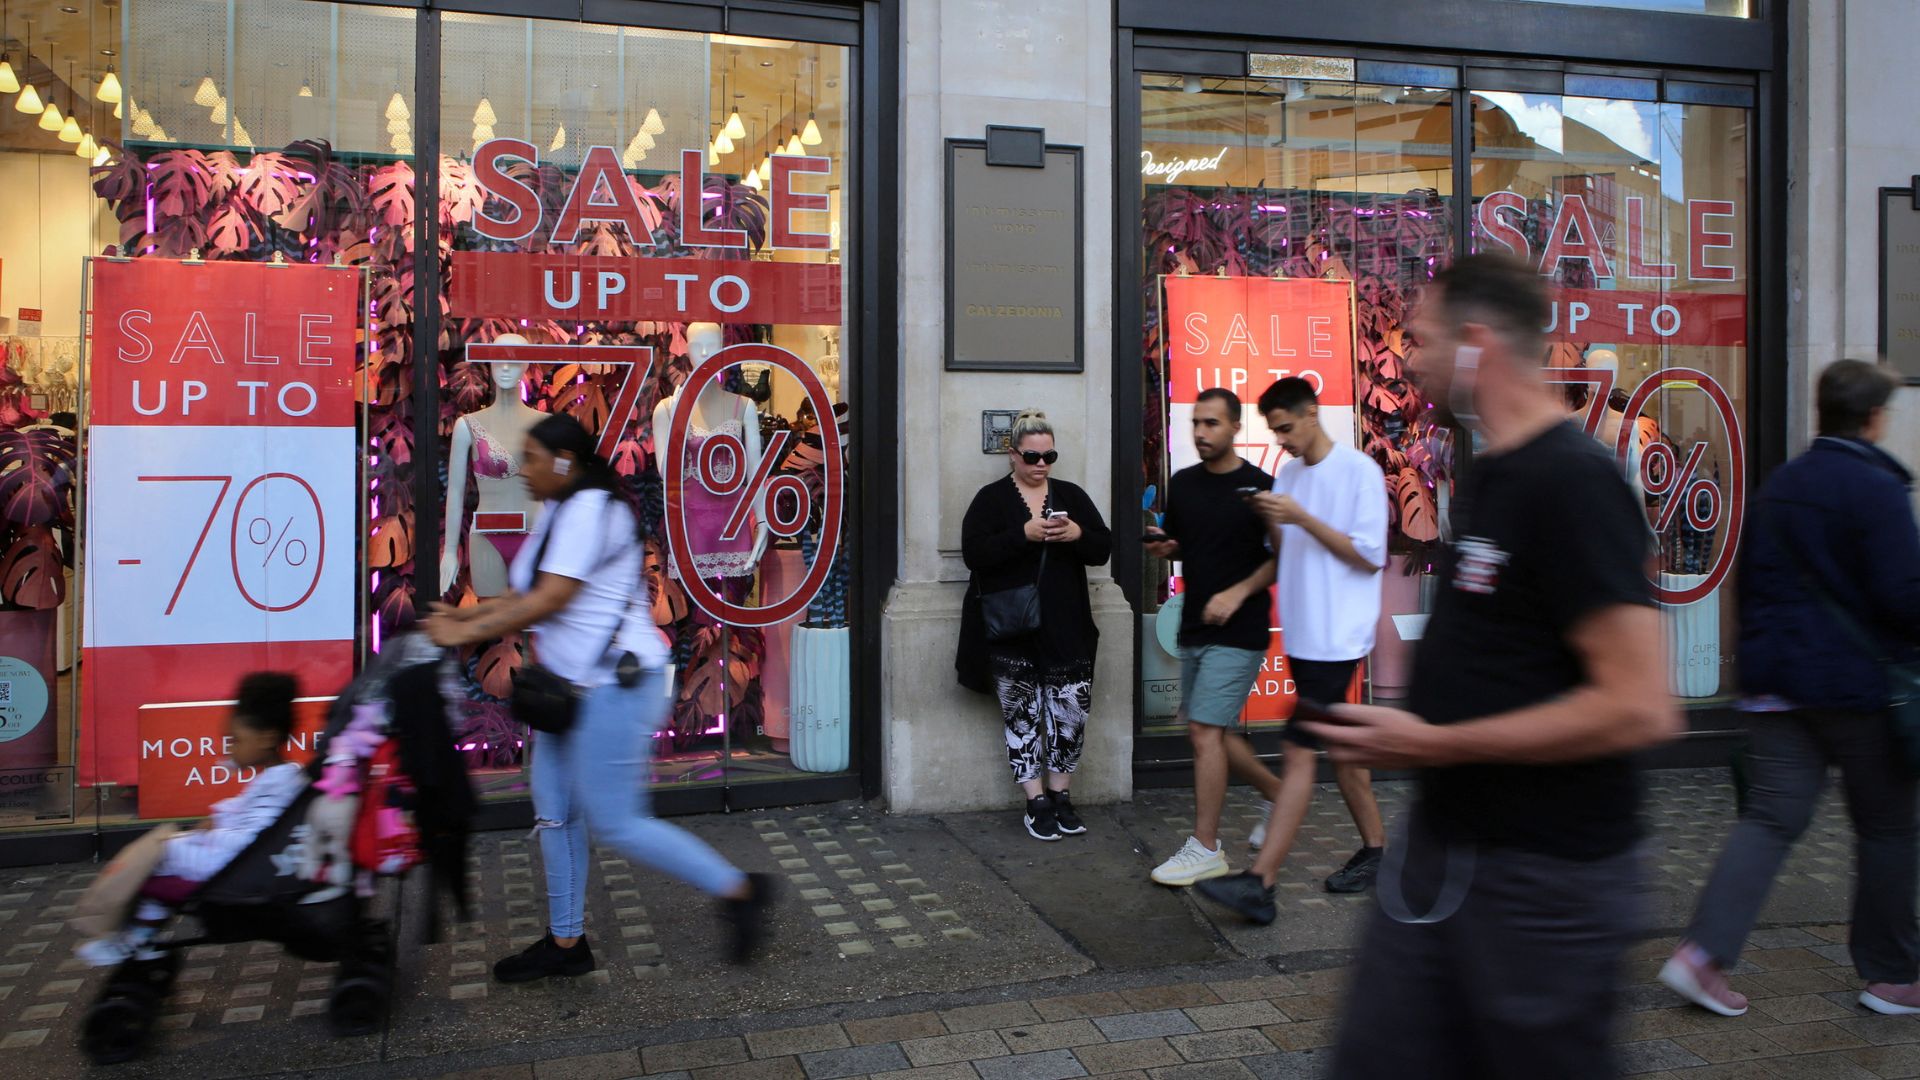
[1892, 999]
[1694, 976]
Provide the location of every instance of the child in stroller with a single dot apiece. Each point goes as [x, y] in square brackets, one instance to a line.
[386, 791]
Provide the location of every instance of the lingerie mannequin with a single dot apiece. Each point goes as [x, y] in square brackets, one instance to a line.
[489, 440]
[715, 412]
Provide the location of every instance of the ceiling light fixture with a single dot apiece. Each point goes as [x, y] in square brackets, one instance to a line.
[9, 82]
[397, 107]
[70, 130]
[811, 136]
[653, 125]
[87, 147]
[206, 93]
[559, 142]
[50, 118]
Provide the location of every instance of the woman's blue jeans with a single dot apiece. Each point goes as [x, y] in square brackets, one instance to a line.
[596, 777]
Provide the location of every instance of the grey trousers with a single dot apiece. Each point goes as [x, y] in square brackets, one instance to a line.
[1788, 761]
[1521, 982]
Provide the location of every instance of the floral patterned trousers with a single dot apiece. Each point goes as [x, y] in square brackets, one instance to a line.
[1046, 713]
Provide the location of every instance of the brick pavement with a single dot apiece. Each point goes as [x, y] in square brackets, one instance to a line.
[909, 948]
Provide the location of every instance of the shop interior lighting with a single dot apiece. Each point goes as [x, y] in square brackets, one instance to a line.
[736, 128]
[1191, 85]
[811, 136]
[559, 142]
[70, 131]
[109, 92]
[240, 135]
[29, 100]
[794, 149]
[9, 82]
[633, 154]
[483, 115]
[653, 125]
[395, 127]
[752, 177]
[397, 107]
[206, 93]
[50, 118]
[88, 148]
[482, 133]
[102, 157]
[306, 89]
[143, 123]
[118, 106]
[219, 114]
[723, 144]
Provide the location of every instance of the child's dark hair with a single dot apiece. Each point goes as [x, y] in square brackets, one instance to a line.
[266, 702]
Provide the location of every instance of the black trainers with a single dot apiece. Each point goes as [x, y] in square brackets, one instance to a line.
[1041, 824]
[748, 917]
[1242, 892]
[1358, 874]
[542, 959]
[1064, 818]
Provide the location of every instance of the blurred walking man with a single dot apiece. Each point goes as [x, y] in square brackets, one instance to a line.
[1506, 911]
[1829, 585]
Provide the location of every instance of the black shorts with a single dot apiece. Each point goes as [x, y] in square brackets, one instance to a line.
[1322, 681]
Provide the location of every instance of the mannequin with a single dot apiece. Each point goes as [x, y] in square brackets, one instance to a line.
[715, 412]
[489, 441]
[1611, 418]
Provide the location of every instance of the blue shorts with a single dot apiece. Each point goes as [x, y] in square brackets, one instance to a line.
[1215, 682]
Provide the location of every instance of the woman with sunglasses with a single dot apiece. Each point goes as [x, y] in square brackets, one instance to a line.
[1044, 680]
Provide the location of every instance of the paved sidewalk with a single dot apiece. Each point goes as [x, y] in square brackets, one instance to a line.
[946, 948]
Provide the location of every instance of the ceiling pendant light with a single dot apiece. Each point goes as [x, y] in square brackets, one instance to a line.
[117, 107]
[653, 125]
[794, 149]
[559, 142]
[634, 153]
[397, 107]
[735, 128]
[482, 133]
[102, 157]
[29, 100]
[50, 118]
[219, 115]
[70, 131]
[143, 123]
[87, 148]
[395, 127]
[483, 114]
[306, 89]
[811, 136]
[109, 91]
[240, 135]
[752, 180]
[206, 93]
[9, 82]
[723, 144]
[713, 157]
[644, 141]
[766, 169]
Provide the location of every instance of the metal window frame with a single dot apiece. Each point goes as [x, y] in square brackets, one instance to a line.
[1695, 59]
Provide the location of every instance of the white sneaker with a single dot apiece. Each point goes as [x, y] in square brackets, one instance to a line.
[1257, 839]
[1192, 863]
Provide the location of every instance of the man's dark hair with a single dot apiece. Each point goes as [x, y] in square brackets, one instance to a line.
[1291, 393]
[1500, 291]
[1848, 392]
[1224, 396]
[266, 702]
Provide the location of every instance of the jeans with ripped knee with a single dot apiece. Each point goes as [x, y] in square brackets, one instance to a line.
[596, 777]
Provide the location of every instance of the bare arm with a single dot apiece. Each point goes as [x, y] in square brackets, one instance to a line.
[1339, 544]
[1229, 600]
[1622, 706]
[502, 614]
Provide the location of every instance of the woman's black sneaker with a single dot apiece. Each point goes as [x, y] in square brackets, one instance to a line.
[1243, 892]
[1040, 822]
[1068, 822]
[1358, 874]
[544, 958]
[748, 917]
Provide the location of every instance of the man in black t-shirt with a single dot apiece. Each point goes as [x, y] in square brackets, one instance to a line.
[1226, 619]
[1498, 943]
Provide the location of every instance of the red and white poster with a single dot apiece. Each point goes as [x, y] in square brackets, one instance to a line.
[185, 754]
[1245, 333]
[222, 494]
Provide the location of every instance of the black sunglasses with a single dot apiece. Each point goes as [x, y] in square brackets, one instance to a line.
[1035, 457]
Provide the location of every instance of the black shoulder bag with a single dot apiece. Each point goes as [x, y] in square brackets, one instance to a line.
[1010, 614]
[1903, 678]
[543, 700]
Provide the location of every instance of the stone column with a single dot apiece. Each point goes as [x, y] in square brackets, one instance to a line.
[966, 64]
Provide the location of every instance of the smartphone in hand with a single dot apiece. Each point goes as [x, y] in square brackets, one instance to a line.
[1312, 712]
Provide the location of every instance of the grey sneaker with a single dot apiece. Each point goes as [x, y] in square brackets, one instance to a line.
[1243, 893]
[1358, 874]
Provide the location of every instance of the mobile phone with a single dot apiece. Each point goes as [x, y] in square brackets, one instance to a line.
[1154, 538]
[1056, 513]
[1249, 492]
[1312, 712]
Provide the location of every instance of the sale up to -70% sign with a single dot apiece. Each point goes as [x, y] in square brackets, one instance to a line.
[221, 499]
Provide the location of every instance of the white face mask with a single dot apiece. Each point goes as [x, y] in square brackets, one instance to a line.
[1466, 379]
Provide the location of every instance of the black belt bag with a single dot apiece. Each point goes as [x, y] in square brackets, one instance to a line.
[548, 703]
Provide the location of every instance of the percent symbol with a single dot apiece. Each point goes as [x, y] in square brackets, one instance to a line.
[260, 531]
[727, 479]
[1684, 484]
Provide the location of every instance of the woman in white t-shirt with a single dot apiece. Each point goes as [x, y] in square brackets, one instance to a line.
[579, 585]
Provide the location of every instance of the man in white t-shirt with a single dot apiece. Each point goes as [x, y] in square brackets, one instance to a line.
[1327, 517]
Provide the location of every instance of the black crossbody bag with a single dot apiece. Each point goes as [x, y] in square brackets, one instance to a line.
[543, 700]
[1010, 614]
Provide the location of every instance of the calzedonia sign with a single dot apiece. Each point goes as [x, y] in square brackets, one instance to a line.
[561, 286]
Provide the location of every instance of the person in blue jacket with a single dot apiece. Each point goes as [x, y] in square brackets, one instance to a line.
[1834, 528]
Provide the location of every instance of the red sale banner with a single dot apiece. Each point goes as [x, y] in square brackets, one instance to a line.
[1623, 317]
[185, 764]
[222, 488]
[1244, 333]
[510, 285]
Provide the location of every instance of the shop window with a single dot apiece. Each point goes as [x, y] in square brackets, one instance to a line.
[1637, 212]
[1739, 9]
[618, 206]
[1307, 181]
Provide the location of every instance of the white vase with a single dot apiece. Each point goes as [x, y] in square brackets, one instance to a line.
[1693, 639]
[820, 693]
[1391, 665]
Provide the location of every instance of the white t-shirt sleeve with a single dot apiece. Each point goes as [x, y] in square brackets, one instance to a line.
[578, 537]
[1369, 529]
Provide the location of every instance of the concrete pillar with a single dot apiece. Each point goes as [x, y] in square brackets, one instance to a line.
[966, 64]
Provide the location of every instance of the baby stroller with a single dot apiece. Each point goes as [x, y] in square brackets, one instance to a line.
[386, 792]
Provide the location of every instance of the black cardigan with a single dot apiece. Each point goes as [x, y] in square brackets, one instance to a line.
[994, 544]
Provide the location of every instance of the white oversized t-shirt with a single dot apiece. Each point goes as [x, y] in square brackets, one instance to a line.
[595, 545]
[1329, 609]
